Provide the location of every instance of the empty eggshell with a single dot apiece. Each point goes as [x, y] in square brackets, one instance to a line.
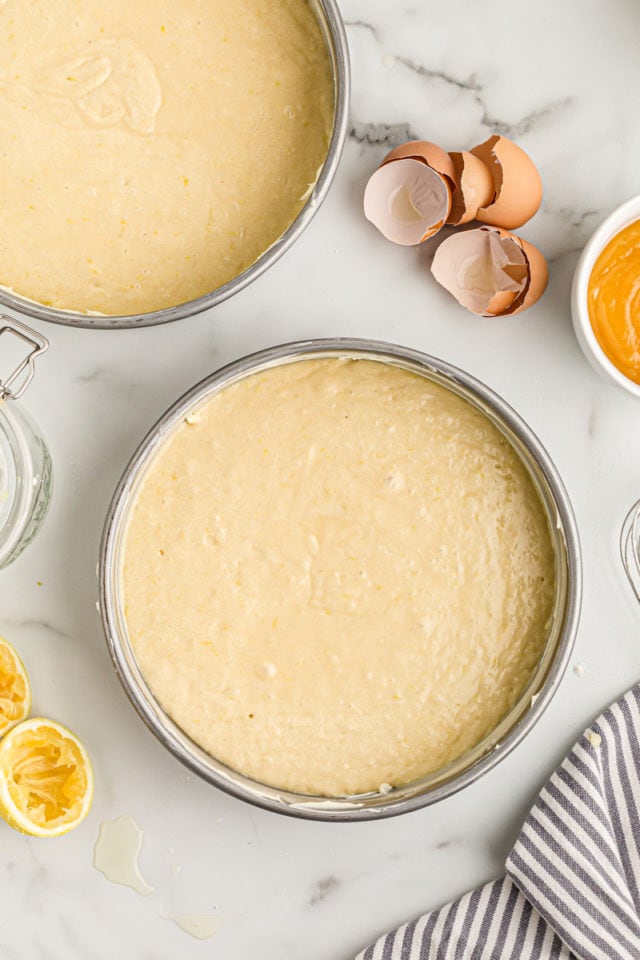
[517, 183]
[407, 201]
[474, 187]
[408, 198]
[430, 153]
[490, 271]
[484, 272]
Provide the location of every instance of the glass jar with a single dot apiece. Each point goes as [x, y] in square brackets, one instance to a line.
[25, 463]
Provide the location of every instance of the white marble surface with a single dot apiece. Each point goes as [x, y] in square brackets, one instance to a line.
[563, 79]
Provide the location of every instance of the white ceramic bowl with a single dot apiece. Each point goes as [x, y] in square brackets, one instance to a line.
[621, 217]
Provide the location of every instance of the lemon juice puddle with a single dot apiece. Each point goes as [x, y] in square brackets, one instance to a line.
[200, 926]
[116, 853]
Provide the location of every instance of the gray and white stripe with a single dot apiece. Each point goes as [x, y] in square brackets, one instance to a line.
[572, 889]
[494, 922]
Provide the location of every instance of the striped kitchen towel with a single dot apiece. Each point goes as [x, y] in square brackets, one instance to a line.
[572, 884]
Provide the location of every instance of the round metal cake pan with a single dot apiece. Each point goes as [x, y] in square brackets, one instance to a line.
[332, 26]
[510, 731]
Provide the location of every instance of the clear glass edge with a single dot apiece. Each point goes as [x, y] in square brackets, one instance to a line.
[33, 486]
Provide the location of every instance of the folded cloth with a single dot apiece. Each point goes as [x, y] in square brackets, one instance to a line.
[572, 884]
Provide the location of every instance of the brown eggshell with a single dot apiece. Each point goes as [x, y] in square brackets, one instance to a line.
[430, 153]
[407, 200]
[474, 187]
[538, 277]
[500, 303]
[518, 187]
[485, 272]
[469, 264]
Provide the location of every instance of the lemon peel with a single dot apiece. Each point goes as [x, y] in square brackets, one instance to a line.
[15, 688]
[46, 778]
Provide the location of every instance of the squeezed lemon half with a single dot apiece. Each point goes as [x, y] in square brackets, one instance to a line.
[46, 780]
[15, 689]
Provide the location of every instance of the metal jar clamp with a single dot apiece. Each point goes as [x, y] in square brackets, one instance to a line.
[17, 382]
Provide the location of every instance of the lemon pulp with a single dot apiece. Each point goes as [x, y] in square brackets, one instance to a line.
[15, 693]
[47, 778]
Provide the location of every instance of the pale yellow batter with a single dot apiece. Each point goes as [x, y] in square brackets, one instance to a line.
[150, 151]
[337, 575]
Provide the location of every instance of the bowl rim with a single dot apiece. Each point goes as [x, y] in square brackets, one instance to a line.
[282, 801]
[330, 19]
[619, 218]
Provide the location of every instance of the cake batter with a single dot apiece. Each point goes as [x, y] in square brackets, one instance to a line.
[152, 151]
[337, 575]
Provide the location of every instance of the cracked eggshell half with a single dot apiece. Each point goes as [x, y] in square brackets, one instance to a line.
[490, 271]
[408, 198]
[474, 187]
[517, 183]
[430, 153]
